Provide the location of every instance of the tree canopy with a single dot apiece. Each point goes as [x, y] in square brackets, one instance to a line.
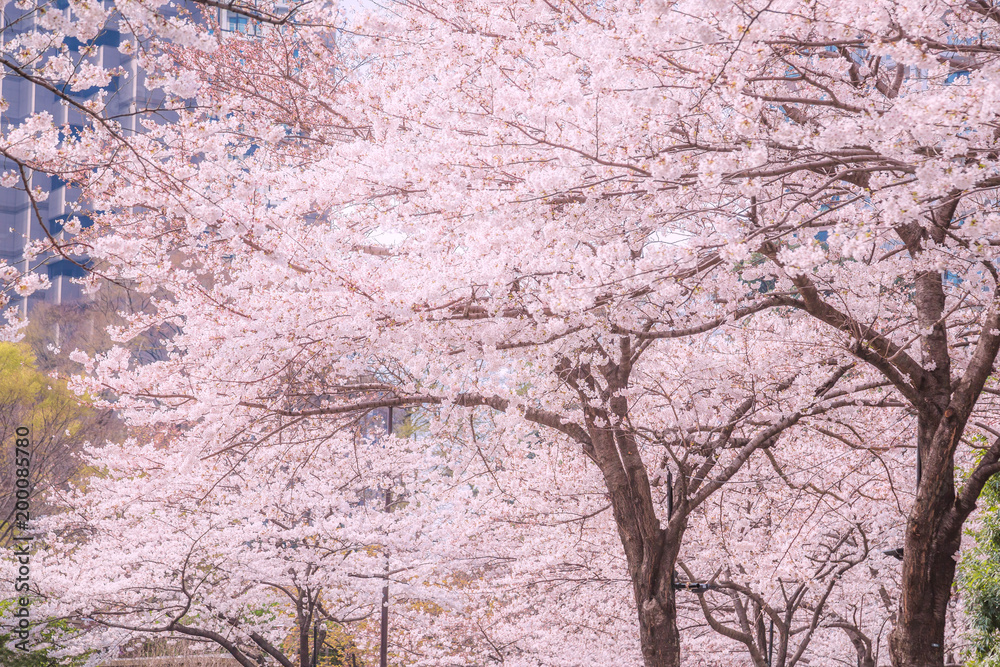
[699, 301]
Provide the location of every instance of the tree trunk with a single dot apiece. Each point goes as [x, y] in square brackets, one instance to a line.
[929, 550]
[650, 551]
[304, 656]
[661, 644]
[917, 640]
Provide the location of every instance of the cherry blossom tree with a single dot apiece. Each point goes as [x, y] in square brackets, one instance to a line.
[540, 211]
[251, 553]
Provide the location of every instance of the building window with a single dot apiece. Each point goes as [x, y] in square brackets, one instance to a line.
[233, 22]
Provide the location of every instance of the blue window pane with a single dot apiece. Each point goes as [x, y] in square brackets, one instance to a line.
[106, 38]
[238, 23]
[64, 267]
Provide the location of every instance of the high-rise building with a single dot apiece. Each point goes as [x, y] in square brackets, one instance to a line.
[20, 220]
[125, 100]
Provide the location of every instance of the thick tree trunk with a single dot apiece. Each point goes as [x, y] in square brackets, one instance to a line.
[650, 551]
[917, 640]
[661, 643]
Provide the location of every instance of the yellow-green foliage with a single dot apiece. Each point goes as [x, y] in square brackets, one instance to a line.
[29, 396]
[59, 423]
